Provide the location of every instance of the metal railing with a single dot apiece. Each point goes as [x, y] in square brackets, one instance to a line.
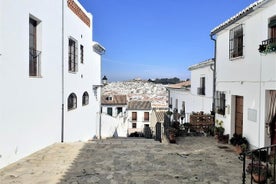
[34, 62]
[259, 165]
[201, 91]
[268, 45]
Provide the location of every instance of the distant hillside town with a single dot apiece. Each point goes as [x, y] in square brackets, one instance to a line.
[139, 90]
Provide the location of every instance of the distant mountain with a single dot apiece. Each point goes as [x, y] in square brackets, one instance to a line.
[174, 80]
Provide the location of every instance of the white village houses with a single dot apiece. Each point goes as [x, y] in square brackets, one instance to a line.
[139, 114]
[194, 95]
[246, 73]
[50, 76]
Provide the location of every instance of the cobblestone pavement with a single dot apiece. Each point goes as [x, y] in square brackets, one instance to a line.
[197, 160]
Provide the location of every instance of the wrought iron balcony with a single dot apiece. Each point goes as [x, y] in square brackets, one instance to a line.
[268, 45]
[34, 62]
[201, 91]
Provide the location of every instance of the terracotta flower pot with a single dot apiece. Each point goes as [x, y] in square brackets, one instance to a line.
[257, 178]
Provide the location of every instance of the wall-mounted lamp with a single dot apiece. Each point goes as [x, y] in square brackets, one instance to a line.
[104, 80]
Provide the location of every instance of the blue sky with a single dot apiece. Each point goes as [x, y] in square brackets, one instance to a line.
[156, 38]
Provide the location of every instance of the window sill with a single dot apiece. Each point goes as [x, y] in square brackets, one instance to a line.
[73, 72]
[36, 77]
[236, 58]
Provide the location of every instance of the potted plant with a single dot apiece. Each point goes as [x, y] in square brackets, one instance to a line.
[219, 130]
[171, 134]
[240, 143]
[258, 171]
[272, 162]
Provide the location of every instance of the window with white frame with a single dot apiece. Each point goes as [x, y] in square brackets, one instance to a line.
[220, 102]
[109, 111]
[201, 89]
[146, 116]
[72, 101]
[236, 42]
[72, 55]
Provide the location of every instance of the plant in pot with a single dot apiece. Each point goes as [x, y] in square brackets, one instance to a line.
[240, 143]
[272, 166]
[258, 171]
[171, 134]
[219, 130]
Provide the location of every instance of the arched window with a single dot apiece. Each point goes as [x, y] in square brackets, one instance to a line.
[85, 98]
[72, 101]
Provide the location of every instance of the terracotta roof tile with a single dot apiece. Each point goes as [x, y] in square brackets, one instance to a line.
[114, 100]
[139, 105]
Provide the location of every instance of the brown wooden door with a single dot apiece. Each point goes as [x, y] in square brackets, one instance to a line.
[239, 115]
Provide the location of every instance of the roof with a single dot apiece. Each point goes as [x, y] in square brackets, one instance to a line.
[180, 85]
[238, 16]
[139, 105]
[114, 100]
[202, 64]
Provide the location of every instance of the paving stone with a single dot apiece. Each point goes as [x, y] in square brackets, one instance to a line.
[192, 160]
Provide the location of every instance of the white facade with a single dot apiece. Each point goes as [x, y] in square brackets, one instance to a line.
[250, 76]
[113, 126]
[140, 122]
[115, 111]
[31, 112]
[192, 99]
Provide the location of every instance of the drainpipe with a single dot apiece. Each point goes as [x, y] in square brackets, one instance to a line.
[62, 73]
[214, 74]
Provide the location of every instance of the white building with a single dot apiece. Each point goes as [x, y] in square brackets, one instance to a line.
[138, 113]
[114, 105]
[195, 95]
[50, 73]
[246, 72]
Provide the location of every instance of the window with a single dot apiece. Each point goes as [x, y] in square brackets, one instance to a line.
[182, 112]
[109, 111]
[236, 42]
[34, 54]
[81, 53]
[201, 89]
[109, 98]
[72, 56]
[272, 27]
[176, 105]
[72, 101]
[85, 98]
[119, 110]
[134, 125]
[146, 116]
[134, 116]
[220, 102]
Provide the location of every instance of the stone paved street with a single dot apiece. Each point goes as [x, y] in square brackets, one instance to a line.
[198, 160]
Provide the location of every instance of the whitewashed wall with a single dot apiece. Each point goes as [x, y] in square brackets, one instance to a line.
[113, 127]
[30, 107]
[80, 123]
[114, 109]
[140, 123]
[196, 74]
[250, 76]
[193, 103]
[30, 111]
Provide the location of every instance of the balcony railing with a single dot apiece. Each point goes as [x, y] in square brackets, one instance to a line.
[259, 165]
[201, 91]
[34, 62]
[268, 45]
